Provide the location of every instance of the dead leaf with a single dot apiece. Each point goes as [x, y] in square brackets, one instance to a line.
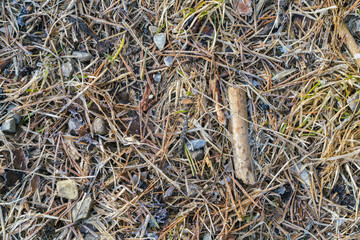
[20, 160]
[11, 177]
[4, 63]
[83, 130]
[35, 182]
[243, 7]
[186, 101]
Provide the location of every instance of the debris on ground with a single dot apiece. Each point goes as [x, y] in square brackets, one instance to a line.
[160, 40]
[82, 209]
[179, 119]
[9, 126]
[82, 56]
[100, 126]
[67, 189]
[67, 69]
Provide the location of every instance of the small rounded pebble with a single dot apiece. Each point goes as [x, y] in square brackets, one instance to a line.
[153, 30]
[16, 116]
[74, 125]
[10, 30]
[207, 237]
[99, 126]
[195, 144]
[67, 189]
[168, 60]
[353, 102]
[82, 56]
[82, 209]
[90, 236]
[157, 77]
[160, 40]
[67, 69]
[197, 155]
[9, 126]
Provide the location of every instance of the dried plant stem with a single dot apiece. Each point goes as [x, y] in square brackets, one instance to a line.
[239, 125]
[350, 42]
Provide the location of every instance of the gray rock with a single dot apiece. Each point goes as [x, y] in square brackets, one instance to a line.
[160, 40]
[353, 102]
[9, 126]
[168, 60]
[100, 126]
[153, 30]
[280, 190]
[227, 179]
[192, 190]
[67, 189]
[197, 154]
[16, 116]
[82, 209]
[354, 25]
[153, 236]
[169, 192]
[207, 237]
[74, 124]
[89, 236]
[82, 56]
[67, 69]
[10, 29]
[300, 169]
[195, 144]
[157, 77]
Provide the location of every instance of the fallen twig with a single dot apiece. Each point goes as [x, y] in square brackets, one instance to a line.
[239, 125]
[350, 42]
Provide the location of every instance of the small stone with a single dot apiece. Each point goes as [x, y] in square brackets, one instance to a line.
[9, 126]
[16, 116]
[138, 182]
[99, 126]
[74, 124]
[160, 40]
[10, 29]
[67, 189]
[67, 69]
[157, 77]
[353, 102]
[153, 236]
[227, 179]
[280, 190]
[207, 237]
[169, 192]
[90, 236]
[82, 209]
[153, 30]
[197, 155]
[192, 190]
[300, 169]
[82, 56]
[168, 61]
[195, 144]
[2, 95]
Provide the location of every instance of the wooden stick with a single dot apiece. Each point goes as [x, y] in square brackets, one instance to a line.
[350, 42]
[240, 131]
[218, 107]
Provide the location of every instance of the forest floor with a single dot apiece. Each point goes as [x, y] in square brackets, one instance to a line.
[115, 119]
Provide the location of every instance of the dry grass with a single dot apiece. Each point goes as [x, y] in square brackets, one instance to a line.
[304, 137]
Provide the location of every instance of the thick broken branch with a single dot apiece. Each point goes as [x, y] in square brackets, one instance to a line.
[240, 131]
[350, 42]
